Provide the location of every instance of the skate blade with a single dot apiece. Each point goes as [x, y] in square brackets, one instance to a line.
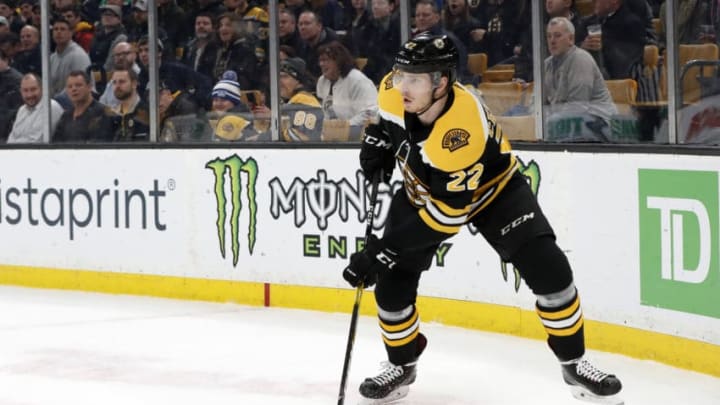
[395, 395]
[585, 395]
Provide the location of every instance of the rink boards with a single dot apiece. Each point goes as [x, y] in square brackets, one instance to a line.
[275, 227]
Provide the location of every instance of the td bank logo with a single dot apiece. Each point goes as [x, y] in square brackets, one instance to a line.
[679, 240]
[236, 172]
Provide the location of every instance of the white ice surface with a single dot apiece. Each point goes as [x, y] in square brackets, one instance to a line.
[59, 347]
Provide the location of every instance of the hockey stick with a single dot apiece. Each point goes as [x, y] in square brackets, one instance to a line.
[358, 293]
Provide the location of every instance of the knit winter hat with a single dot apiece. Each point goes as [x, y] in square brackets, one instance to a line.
[228, 87]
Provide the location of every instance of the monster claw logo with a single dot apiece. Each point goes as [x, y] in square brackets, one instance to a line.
[237, 170]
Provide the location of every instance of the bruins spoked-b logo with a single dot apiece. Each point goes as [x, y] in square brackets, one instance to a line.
[242, 176]
[455, 139]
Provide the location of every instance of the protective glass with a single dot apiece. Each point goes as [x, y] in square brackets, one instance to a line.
[415, 82]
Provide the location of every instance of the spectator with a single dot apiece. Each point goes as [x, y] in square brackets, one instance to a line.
[381, 40]
[174, 75]
[690, 18]
[313, 34]
[227, 102]
[29, 59]
[287, 31]
[87, 121]
[83, 31]
[178, 115]
[427, 19]
[36, 17]
[108, 34]
[360, 17]
[25, 7]
[11, 99]
[235, 51]
[171, 19]
[618, 48]
[226, 95]
[330, 11]
[573, 82]
[133, 124]
[29, 125]
[286, 51]
[137, 27]
[195, 54]
[68, 56]
[553, 8]
[505, 22]
[14, 21]
[124, 57]
[346, 93]
[10, 44]
[256, 19]
[125, 10]
[255, 23]
[4, 25]
[457, 19]
[296, 7]
[302, 115]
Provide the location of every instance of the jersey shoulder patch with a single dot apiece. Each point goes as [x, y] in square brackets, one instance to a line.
[390, 99]
[458, 137]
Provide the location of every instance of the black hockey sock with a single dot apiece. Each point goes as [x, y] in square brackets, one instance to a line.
[400, 331]
[564, 325]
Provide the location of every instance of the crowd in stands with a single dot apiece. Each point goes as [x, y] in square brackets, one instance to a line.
[214, 69]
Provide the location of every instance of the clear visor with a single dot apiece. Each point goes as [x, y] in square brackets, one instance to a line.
[416, 82]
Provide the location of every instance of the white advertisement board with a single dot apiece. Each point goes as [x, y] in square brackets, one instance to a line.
[641, 231]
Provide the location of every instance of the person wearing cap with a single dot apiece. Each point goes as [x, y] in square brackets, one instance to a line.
[68, 56]
[230, 118]
[226, 96]
[300, 109]
[457, 168]
[14, 21]
[110, 31]
[137, 27]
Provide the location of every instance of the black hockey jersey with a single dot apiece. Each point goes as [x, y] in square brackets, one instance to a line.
[451, 169]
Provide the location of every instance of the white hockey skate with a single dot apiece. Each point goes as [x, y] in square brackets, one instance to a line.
[587, 383]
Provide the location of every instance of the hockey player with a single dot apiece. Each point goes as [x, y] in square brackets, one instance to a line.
[458, 168]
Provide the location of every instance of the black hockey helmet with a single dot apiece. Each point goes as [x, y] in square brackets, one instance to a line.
[427, 53]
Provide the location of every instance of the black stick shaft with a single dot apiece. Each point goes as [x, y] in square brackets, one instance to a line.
[358, 294]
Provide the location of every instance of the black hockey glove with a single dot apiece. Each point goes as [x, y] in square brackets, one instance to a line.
[376, 155]
[366, 264]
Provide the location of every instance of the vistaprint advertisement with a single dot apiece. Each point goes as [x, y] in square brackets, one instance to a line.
[640, 231]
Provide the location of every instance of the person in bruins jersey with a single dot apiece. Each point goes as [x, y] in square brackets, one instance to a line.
[301, 112]
[457, 168]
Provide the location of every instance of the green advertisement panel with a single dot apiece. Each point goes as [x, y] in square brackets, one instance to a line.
[679, 240]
